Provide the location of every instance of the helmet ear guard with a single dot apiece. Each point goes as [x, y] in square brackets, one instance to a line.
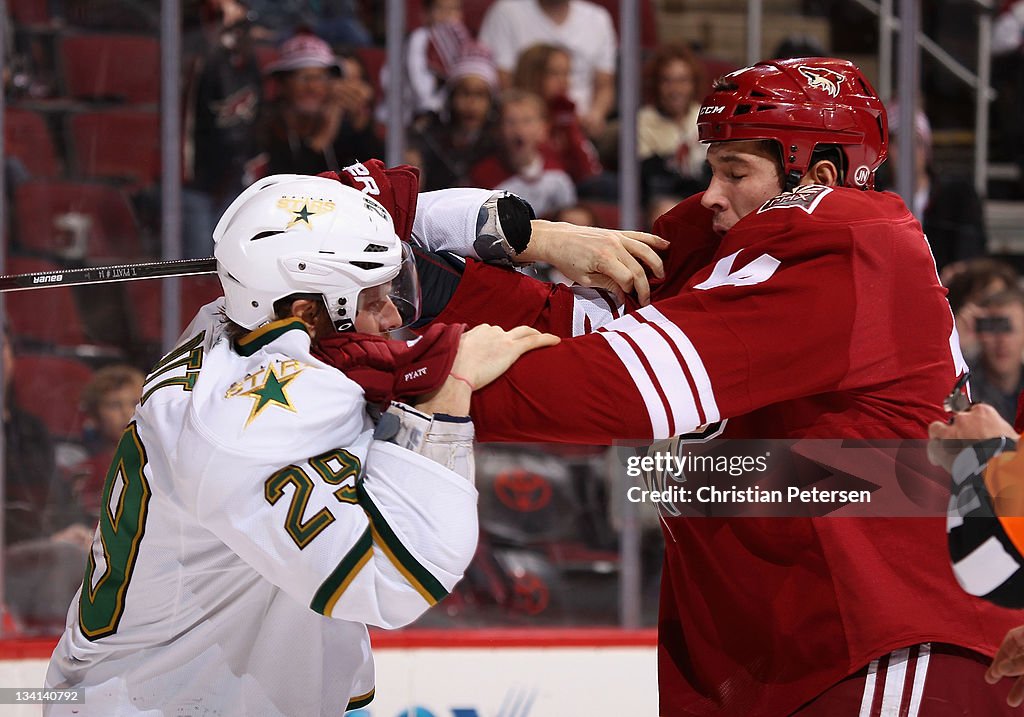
[800, 104]
[295, 234]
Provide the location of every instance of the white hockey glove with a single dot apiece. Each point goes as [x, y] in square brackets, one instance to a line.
[481, 224]
[446, 440]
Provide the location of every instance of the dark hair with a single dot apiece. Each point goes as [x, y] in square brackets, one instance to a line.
[976, 277]
[282, 310]
[662, 57]
[107, 379]
[1007, 297]
[532, 65]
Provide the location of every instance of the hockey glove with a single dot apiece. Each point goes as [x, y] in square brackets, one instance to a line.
[396, 189]
[388, 369]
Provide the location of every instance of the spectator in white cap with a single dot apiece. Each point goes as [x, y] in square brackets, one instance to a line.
[447, 144]
[322, 119]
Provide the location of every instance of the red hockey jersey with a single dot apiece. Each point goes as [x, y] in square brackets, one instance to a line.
[820, 315]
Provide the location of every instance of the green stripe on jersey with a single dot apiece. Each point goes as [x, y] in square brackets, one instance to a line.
[360, 701]
[255, 340]
[336, 583]
[419, 577]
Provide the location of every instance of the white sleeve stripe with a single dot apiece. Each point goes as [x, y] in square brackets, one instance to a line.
[705, 392]
[623, 323]
[920, 675]
[687, 376]
[652, 401]
[986, 568]
[593, 305]
[677, 385]
[669, 374]
[895, 679]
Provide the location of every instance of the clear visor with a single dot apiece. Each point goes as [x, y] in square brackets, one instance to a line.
[401, 295]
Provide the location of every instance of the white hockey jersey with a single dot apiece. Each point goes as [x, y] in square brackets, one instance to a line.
[252, 528]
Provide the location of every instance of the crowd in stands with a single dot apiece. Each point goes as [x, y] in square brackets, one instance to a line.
[512, 94]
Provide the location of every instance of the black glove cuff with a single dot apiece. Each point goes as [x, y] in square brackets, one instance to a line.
[515, 215]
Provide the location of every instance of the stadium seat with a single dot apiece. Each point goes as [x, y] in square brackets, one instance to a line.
[117, 144]
[648, 21]
[715, 68]
[27, 138]
[50, 387]
[111, 67]
[46, 316]
[607, 213]
[144, 300]
[373, 59]
[473, 12]
[29, 12]
[414, 12]
[47, 213]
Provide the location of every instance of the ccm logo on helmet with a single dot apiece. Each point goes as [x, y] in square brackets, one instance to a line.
[823, 79]
[711, 110]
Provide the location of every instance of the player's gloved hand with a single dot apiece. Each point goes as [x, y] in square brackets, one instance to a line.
[396, 188]
[503, 229]
[388, 369]
[600, 258]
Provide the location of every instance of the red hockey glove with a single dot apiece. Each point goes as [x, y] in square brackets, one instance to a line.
[389, 369]
[396, 188]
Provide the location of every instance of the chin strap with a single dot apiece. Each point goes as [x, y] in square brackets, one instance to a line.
[792, 180]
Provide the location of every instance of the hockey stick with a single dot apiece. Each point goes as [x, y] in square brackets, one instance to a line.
[107, 274]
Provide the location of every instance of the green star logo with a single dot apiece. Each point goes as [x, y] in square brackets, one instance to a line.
[302, 215]
[270, 393]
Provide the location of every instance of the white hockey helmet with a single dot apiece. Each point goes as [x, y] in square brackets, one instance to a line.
[295, 234]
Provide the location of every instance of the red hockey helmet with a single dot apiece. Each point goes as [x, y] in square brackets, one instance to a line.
[801, 103]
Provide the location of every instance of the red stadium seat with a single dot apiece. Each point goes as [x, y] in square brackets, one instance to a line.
[47, 316]
[27, 137]
[607, 213]
[110, 230]
[715, 68]
[50, 387]
[265, 55]
[118, 144]
[373, 59]
[120, 67]
[473, 12]
[144, 299]
[414, 14]
[29, 12]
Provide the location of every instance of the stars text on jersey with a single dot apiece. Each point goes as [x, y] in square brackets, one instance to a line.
[267, 387]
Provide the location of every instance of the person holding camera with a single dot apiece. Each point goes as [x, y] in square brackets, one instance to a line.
[323, 119]
[997, 375]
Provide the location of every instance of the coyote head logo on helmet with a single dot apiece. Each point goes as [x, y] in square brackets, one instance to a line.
[823, 79]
